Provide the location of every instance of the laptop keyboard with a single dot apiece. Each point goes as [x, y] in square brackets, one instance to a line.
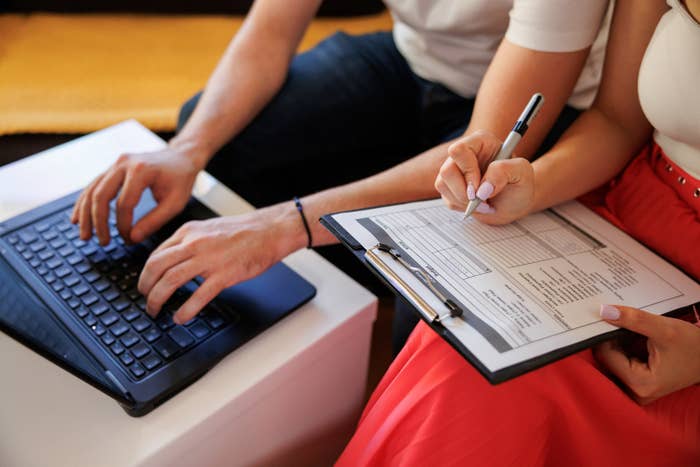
[99, 285]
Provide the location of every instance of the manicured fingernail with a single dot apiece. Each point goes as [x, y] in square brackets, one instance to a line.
[484, 208]
[609, 312]
[484, 191]
[471, 193]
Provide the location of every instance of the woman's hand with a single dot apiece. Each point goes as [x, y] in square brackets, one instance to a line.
[223, 251]
[507, 186]
[170, 174]
[674, 353]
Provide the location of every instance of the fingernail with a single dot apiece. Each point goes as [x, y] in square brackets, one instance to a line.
[485, 191]
[484, 208]
[609, 312]
[471, 194]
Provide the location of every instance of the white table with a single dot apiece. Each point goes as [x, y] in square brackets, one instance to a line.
[290, 396]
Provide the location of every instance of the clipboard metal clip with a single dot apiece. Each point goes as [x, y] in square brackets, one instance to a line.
[455, 310]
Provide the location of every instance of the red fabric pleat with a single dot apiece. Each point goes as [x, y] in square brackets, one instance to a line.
[433, 408]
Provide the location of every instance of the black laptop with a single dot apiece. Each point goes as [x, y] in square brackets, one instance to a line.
[76, 303]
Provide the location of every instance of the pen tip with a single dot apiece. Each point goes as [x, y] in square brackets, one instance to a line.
[471, 207]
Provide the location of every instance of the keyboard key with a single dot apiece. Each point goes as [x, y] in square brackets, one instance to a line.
[141, 324]
[36, 247]
[164, 321]
[42, 227]
[152, 335]
[118, 349]
[126, 358]
[119, 329]
[71, 234]
[99, 309]
[141, 303]
[92, 276]
[54, 263]
[74, 303]
[58, 243]
[214, 320]
[137, 370]
[82, 267]
[129, 340]
[64, 226]
[101, 285]
[13, 239]
[57, 286]
[181, 337]
[109, 318]
[121, 304]
[50, 235]
[108, 339]
[73, 260]
[98, 329]
[131, 314]
[78, 243]
[110, 247]
[28, 255]
[90, 299]
[82, 312]
[66, 251]
[89, 249]
[35, 263]
[80, 290]
[42, 270]
[200, 330]
[166, 347]
[50, 278]
[133, 294]
[28, 237]
[111, 294]
[90, 320]
[72, 280]
[62, 272]
[65, 294]
[140, 350]
[118, 255]
[151, 362]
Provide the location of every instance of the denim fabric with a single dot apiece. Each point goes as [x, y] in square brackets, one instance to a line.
[349, 108]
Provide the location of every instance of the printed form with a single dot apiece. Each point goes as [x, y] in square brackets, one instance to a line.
[528, 287]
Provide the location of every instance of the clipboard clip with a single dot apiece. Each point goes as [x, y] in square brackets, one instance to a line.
[455, 310]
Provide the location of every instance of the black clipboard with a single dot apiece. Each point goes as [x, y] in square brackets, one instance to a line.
[434, 319]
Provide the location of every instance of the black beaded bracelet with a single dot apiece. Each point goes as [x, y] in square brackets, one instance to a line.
[300, 208]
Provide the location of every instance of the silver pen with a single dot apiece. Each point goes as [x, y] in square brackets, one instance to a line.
[514, 137]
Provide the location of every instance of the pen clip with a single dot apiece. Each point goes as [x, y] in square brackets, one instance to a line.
[455, 310]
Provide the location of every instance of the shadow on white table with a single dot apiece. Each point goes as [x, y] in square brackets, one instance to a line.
[290, 396]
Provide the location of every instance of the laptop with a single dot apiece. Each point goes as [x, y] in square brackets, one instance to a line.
[76, 303]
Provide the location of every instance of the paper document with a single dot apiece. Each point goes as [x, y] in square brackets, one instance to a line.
[526, 288]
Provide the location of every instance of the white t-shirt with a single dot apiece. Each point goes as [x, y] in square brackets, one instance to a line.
[669, 88]
[452, 42]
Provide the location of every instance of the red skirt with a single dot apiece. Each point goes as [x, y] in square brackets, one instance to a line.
[433, 408]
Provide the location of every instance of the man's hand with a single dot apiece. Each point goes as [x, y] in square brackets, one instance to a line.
[673, 346]
[223, 251]
[508, 185]
[170, 174]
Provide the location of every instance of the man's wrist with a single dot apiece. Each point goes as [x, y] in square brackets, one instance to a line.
[289, 224]
[197, 152]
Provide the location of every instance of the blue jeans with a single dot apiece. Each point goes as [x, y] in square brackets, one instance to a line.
[349, 108]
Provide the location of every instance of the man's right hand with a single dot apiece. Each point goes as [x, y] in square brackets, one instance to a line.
[170, 174]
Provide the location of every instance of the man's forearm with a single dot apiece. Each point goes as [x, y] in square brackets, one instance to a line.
[249, 74]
